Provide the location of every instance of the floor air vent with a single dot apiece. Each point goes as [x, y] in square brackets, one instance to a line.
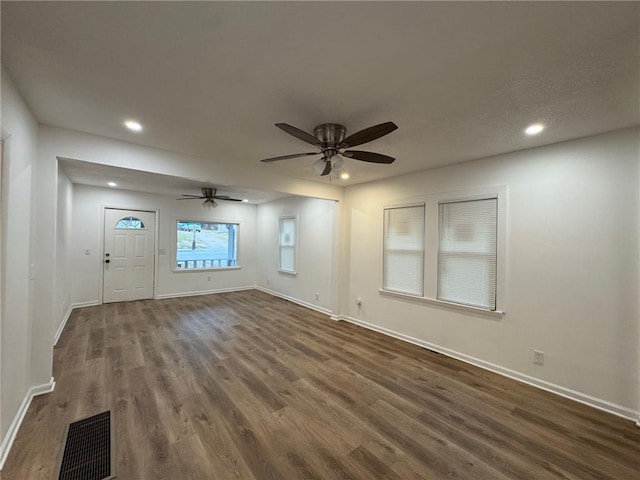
[88, 449]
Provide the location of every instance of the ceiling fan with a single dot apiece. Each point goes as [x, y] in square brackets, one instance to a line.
[210, 197]
[330, 139]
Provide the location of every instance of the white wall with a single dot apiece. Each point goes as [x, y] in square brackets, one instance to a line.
[316, 268]
[62, 297]
[20, 155]
[572, 265]
[87, 234]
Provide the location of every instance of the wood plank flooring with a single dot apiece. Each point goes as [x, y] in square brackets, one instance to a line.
[248, 386]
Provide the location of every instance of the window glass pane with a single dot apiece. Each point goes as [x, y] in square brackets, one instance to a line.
[403, 262]
[287, 259]
[403, 272]
[206, 244]
[130, 222]
[287, 231]
[287, 243]
[467, 252]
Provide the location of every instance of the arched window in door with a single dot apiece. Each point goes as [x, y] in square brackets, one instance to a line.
[130, 222]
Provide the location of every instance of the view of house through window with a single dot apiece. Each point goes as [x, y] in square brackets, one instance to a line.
[206, 244]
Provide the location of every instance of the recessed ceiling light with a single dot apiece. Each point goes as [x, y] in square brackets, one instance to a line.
[344, 176]
[112, 184]
[133, 125]
[534, 129]
[245, 199]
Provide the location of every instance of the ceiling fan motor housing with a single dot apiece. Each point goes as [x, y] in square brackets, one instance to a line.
[331, 134]
[331, 139]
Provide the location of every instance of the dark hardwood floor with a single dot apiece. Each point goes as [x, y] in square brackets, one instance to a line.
[245, 385]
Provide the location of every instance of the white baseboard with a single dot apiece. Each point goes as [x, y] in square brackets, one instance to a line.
[594, 402]
[326, 311]
[63, 324]
[203, 292]
[92, 303]
[7, 441]
[67, 315]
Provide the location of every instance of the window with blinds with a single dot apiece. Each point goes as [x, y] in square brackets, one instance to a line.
[467, 252]
[287, 244]
[403, 250]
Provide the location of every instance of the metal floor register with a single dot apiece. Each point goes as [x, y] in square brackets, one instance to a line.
[88, 449]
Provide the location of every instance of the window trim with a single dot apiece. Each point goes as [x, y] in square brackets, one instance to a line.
[295, 219]
[444, 303]
[431, 239]
[190, 219]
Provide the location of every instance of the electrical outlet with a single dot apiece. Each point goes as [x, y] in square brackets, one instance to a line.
[317, 296]
[268, 282]
[538, 357]
[87, 251]
[208, 278]
[359, 301]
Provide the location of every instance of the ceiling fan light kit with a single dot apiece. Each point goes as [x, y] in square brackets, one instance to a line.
[332, 141]
[318, 166]
[337, 163]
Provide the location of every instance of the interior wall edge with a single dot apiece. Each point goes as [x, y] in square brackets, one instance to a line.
[20, 165]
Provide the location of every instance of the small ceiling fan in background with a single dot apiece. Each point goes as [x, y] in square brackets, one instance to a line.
[210, 197]
[330, 139]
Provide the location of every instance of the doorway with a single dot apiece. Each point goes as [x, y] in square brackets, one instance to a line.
[129, 258]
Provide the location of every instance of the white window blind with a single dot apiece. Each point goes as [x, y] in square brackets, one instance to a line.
[403, 263]
[467, 252]
[287, 244]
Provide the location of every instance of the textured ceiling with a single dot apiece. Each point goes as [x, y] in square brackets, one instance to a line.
[461, 80]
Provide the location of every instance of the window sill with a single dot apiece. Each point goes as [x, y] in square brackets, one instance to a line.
[442, 303]
[195, 270]
[288, 272]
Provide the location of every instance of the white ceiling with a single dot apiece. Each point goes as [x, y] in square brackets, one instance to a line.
[461, 80]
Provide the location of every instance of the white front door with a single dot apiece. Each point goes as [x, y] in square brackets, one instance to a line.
[129, 238]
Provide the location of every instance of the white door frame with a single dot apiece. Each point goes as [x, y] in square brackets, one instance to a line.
[156, 231]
